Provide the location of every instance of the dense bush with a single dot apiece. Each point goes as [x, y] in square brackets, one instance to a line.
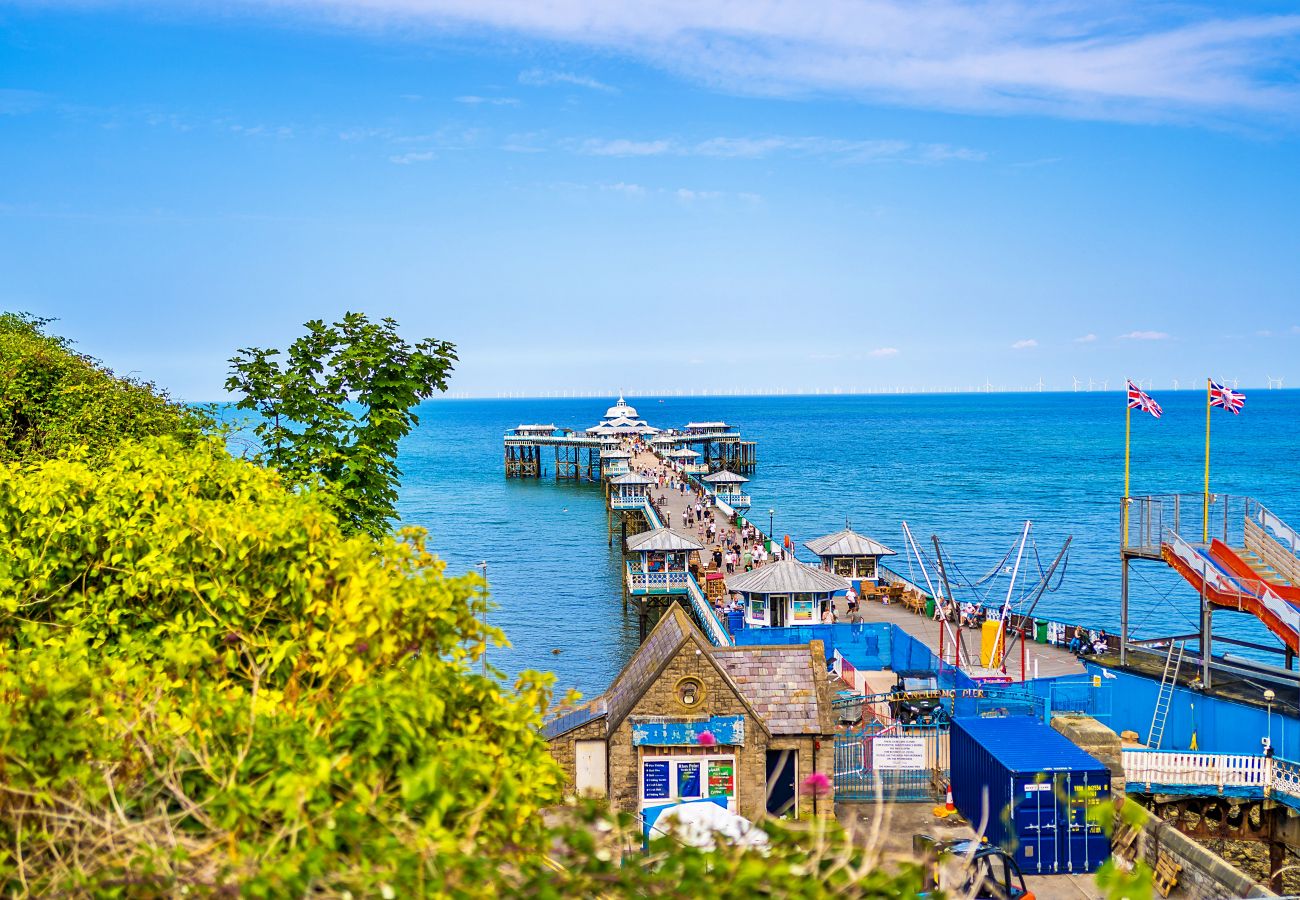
[53, 399]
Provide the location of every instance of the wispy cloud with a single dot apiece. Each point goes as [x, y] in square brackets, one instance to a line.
[884, 352]
[1068, 58]
[622, 187]
[1144, 336]
[687, 195]
[545, 77]
[1025, 344]
[15, 102]
[415, 156]
[475, 100]
[860, 151]
[624, 147]
[1085, 339]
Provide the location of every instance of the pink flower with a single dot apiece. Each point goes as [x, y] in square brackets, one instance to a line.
[817, 784]
[706, 739]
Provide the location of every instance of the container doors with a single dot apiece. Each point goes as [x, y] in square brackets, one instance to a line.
[782, 767]
[1034, 821]
[590, 777]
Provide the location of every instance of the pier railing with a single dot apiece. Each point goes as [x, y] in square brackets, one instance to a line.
[712, 626]
[1153, 520]
[656, 582]
[618, 501]
[732, 499]
[1175, 771]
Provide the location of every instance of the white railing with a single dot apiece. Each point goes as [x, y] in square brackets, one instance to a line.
[1234, 587]
[1283, 533]
[713, 627]
[626, 501]
[1189, 769]
[656, 582]
[695, 469]
[617, 468]
[733, 499]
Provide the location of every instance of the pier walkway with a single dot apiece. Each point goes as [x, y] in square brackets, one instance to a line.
[1041, 660]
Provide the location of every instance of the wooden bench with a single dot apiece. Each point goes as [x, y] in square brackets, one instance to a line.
[915, 602]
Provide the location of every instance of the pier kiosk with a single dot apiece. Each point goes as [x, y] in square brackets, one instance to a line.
[614, 463]
[785, 593]
[687, 460]
[727, 489]
[657, 572]
[850, 555]
[629, 491]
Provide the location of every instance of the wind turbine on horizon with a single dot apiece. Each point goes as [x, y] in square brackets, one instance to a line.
[1040, 384]
[1077, 382]
[1274, 383]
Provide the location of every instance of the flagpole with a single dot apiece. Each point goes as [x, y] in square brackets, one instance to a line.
[1205, 500]
[1128, 425]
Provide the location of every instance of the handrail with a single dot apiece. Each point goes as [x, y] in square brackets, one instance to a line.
[1193, 769]
[717, 633]
[1233, 585]
[1283, 533]
[655, 582]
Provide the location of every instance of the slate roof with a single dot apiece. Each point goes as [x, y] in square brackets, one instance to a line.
[662, 539]
[848, 543]
[725, 477]
[786, 685]
[789, 576]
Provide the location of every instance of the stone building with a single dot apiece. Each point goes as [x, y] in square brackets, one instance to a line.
[643, 743]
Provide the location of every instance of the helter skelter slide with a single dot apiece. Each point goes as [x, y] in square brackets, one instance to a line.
[1256, 579]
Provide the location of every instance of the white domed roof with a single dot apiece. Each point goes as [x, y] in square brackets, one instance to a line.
[620, 409]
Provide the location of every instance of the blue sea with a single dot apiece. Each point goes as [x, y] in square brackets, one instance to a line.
[970, 468]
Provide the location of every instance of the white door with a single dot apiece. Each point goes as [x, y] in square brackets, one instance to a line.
[591, 768]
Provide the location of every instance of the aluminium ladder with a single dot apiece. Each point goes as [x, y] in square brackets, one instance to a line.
[1168, 681]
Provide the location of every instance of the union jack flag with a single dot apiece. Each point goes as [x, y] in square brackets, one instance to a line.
[1140, 399]
[1226, 398]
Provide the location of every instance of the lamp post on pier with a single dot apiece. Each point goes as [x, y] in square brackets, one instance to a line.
[771, 517]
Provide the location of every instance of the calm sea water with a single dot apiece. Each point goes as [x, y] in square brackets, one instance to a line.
[969, 468]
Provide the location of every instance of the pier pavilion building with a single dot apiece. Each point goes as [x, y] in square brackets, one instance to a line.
[785, 593]
[850, 555]
[766, 711]
[728, 488]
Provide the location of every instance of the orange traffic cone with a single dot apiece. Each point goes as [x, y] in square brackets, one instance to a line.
[948, 805]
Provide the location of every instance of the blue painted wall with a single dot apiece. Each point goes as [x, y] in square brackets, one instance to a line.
[866, 644]
[1221, 726]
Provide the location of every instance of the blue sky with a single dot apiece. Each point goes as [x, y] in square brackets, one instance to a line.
[665, 195]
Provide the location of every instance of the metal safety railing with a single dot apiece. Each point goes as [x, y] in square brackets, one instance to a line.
[1245, 593]
[656, 582]
[1187, 769]
[714, 628]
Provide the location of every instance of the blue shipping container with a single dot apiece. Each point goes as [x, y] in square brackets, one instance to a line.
[1033, 792]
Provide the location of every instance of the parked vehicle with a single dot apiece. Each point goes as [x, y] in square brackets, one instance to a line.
[970, 868]
[916, 699]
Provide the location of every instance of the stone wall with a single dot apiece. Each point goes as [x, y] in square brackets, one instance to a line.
[1095, 738]
[1204, 876]
[564, 751]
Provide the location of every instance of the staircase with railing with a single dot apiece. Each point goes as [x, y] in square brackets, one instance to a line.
[715, 630]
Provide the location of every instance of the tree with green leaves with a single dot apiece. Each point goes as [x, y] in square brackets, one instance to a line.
[339, 404]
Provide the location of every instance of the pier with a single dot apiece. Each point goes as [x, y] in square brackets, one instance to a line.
[642, 470]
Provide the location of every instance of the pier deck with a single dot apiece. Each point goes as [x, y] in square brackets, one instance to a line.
[1051, 661]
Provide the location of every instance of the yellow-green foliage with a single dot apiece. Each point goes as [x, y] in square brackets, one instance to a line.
[52, 399]
[208, 683]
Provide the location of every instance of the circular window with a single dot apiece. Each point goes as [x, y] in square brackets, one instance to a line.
[690, 691]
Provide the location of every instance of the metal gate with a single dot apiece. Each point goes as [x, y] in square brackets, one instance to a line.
[891, 762]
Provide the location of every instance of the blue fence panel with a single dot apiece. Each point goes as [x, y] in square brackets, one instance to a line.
[865, 644]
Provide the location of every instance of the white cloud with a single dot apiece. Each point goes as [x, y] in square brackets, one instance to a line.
[543, 78]
[1144, 336]
[687, 195]
[631, 190]
[418, 156]
[1086, 339]
[857, 151]
[1025, 344]
[15, 102]
[475, 100]
[1070, 58]
[883, 352]
[623, 147]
